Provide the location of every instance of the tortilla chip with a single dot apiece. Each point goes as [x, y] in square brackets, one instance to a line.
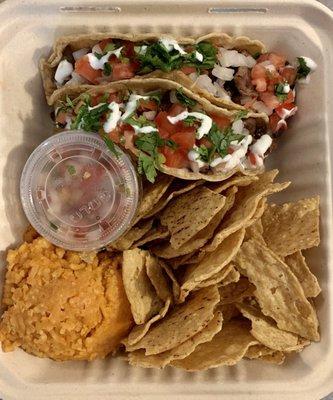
[246, 203]
[176, 188]
[296, 262]
[238, 180]
[226, 348]
[279, 293]
[137, 232]
[257, 351]
[175, 284]
[140, 292]
[182, 323]
[266, 332]
[255, 231]
[264, 353]
[292, 226]
[181, 260]
[139, 331]
[229, 311]
[155, 233]
[189, 213]
[152, 192]
[196, 242]
[156, 274]
[236, 292]
[212, 263]
[217, 278]
[275, 358]
[232, 277]
[160, 360]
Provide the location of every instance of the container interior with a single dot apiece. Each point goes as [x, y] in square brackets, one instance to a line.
[27, 31]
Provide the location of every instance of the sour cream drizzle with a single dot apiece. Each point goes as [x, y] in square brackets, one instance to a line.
[206, 121]
[98, 63]
[114, 117]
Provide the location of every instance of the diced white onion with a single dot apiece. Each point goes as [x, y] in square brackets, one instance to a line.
[237, 127]
[79, 53]
[204, 82]
[150, 115]
[261, 145]
[262, 108]
[221, 92]
[226, 74]
[63, 71]
[232, 58]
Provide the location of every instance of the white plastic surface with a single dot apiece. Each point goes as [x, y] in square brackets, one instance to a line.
[27, 30]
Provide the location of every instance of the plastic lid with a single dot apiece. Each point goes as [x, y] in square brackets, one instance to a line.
[77, 193]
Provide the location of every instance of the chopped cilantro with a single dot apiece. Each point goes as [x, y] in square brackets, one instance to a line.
[241, 114]
[256, 55]
[150, 159]
[205, 153]
[111, 145]
[279, 92]
[183, 99]
[98, 55]
[71, 170]
[149, 142]
[109, 47]
[302, 70]
[157, 56]
[221, 140]
[148, 165]
[190, 120]
[208, 52]
[107, 69]
[89, 119]
[139, 121]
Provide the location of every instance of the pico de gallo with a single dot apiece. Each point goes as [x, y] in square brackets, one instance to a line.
[259, 82]
[168, 128]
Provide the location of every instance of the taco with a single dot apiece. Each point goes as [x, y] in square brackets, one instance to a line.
[167, 127]
[232, 72]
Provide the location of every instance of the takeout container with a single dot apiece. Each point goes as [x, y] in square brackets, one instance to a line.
[27, 31]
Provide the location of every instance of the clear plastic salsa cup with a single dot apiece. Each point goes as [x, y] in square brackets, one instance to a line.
[77, 193]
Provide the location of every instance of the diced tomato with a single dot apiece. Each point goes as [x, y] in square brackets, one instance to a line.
[262, 58]
[129, 140]
[278, 60]
[277, 124]
[270, 100]
[123, 71]
[83, 68]
[176, 109]
[175, 158]
[187, 70]
[147, 105]
[114, 97]
[286, 110]
[185, 139]
[164, 125]
[252, 158]
[290, 98]
[102, 44]
[289, 74]
[128, 50]
[230, 150]
[115, 135]
[222, 121]
[205, 142]
[61, 117]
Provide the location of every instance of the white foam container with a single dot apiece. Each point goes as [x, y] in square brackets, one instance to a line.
[27, 30]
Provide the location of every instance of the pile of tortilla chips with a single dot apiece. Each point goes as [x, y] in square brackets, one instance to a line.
[214, 273]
